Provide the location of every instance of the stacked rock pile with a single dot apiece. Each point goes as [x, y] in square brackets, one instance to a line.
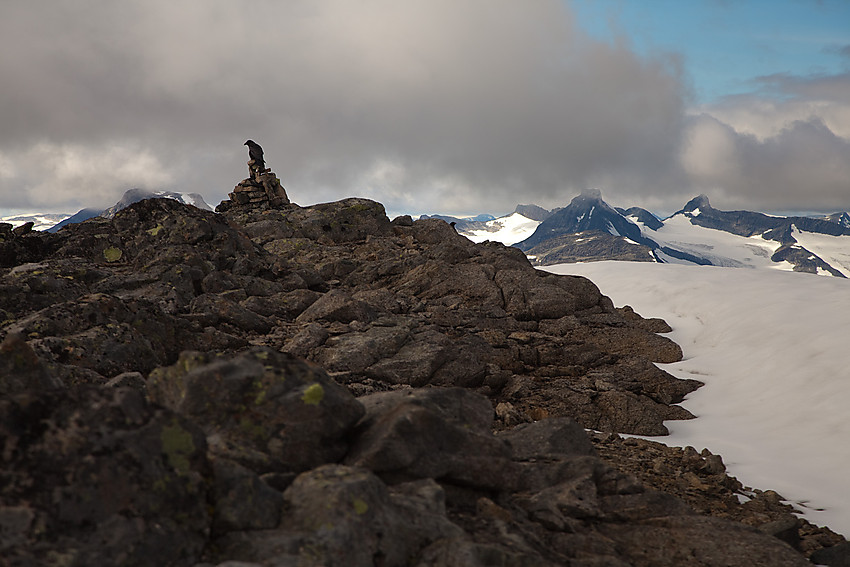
[261, 187]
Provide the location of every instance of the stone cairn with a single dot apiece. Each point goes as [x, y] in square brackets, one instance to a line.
[261, 187]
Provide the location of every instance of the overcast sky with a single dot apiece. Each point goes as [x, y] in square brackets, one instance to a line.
[431, 106]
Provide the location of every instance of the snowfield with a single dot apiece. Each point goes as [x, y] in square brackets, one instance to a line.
[42, 221]
[772, 349]
[510, 230]
[834, 250]
[720, 247]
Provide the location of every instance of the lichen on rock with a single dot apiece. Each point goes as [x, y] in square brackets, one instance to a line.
[277, 384]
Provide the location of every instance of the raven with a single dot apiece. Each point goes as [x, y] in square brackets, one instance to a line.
[255, 152]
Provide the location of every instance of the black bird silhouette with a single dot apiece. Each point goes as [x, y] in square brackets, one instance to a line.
[255, 152]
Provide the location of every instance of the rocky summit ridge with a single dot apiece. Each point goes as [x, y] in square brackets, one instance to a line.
[277, 385]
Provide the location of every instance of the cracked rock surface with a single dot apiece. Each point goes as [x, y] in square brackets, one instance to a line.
[280, 385]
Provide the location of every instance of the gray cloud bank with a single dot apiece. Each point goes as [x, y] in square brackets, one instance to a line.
[426, 106]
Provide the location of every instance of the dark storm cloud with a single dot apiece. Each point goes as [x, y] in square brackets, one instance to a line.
[468, 102]
[427, 106]
[785, 148]
[805, 164]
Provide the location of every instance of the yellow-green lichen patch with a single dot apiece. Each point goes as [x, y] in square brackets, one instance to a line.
[313, 395]
[360, 506]
[155, 230]
[252, 429]
[178, 446]
[261, 394]
[112, 254]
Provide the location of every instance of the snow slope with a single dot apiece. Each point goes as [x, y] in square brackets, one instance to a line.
[508, 230]
[834, 250]
[42, 221]
[723, 248]
[720, 247]
[771, 348]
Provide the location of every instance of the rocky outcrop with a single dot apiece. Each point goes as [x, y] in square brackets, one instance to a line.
[284, 385]
[588, 246]
[97, 476]
[534, 212]
[262, 188]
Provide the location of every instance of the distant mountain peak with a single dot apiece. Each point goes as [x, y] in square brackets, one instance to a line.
[132, 196]
[586, 212]
[533, 212]
[135, 195]
[700, 202]
[592, 194]
[842, 219]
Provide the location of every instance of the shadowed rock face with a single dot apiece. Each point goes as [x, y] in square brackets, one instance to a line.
[97, 476]
[311, 385]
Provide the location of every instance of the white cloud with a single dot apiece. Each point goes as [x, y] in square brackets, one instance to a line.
[69, 176]
[787, 149]
[784, 100]
[424, 103]
[492, 97]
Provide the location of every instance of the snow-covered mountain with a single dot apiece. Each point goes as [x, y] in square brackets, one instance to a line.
[589, 229]
[41, 221]
[702, 234]
[136, 195]
[508, 229]
[51, 222]
[131, 196]
[587, 212]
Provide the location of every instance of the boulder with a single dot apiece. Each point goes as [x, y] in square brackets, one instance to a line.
[220, 308]
[340, 516]
[99, 477]
[693, 540]
[835, 556]
[347, 220]
[242, 500]
[338, 305]
[558, 437]
[430, 433]
[268, 411]
[356, 351]
[21, 369]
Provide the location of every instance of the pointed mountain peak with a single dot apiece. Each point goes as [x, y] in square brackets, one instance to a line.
[586, 212]
[700, 202]
[533, 212]
[591, 200]
[592, 194]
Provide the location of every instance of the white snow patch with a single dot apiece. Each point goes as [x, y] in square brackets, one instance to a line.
[834, 250]
[42, 221]
[719, 247]
[771, 348]
[510, 230]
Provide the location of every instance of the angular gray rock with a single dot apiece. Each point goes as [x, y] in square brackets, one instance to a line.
[431, 433]
[242, 500]
[265, 410]
[339, 516]
[97, 477]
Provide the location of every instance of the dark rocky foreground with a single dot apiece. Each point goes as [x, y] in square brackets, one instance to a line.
[321, 386]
